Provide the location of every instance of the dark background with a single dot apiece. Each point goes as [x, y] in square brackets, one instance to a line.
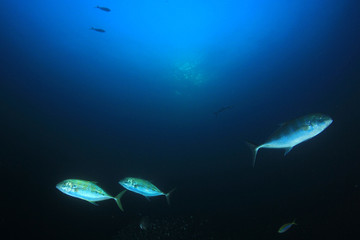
[64, 115]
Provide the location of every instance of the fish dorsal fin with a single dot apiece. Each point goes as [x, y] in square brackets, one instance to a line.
[287, 150]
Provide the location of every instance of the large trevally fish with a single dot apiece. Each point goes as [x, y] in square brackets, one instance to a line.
[294, 132]
[143, 187]
[87, 190]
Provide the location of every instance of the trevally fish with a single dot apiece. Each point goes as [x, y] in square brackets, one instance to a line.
[97, 29]
[87, 190]
[103, 8]
[294, 132]
[286, 227]
[143, 187]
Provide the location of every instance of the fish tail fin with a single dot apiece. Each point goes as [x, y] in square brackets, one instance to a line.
[168, 195]
[254, 149]
[117, 199]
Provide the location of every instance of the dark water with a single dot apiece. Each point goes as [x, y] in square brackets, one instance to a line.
[138, 100]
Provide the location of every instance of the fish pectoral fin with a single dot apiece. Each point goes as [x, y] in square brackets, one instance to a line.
[147, 198]
[287, 150]
[94, 203]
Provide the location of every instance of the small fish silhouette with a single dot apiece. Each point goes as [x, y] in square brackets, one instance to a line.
[103, 8]
[97, 29]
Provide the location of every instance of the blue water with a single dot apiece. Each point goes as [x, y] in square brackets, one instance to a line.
[139, 100]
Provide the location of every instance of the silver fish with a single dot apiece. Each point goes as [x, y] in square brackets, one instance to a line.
[294, 132]
[143, 187]
[286, 226]
[88, 191]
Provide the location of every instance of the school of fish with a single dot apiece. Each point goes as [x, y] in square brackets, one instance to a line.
[287, 136]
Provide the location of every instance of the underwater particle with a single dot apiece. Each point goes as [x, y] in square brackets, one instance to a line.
[222, 109]
[286, 226]
[294, 132]
[103, 8]
[144, 223]
[97, 29]
[88, 191]
[143, 187]
[168, 227]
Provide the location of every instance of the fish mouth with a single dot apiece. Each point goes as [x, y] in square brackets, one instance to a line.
[59, 185]
[329, 121]
[123, 181]
[326, 119]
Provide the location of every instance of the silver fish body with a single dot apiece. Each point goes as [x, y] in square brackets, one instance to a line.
[143, 187]
[86, 190]
[286, 227]
[295, 132]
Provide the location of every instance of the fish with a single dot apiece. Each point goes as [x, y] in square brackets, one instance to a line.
[104, 8]
[143, 187]
[88, 191]
[222, 109]
[286, 226]
[97, 29]
[294, 132]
